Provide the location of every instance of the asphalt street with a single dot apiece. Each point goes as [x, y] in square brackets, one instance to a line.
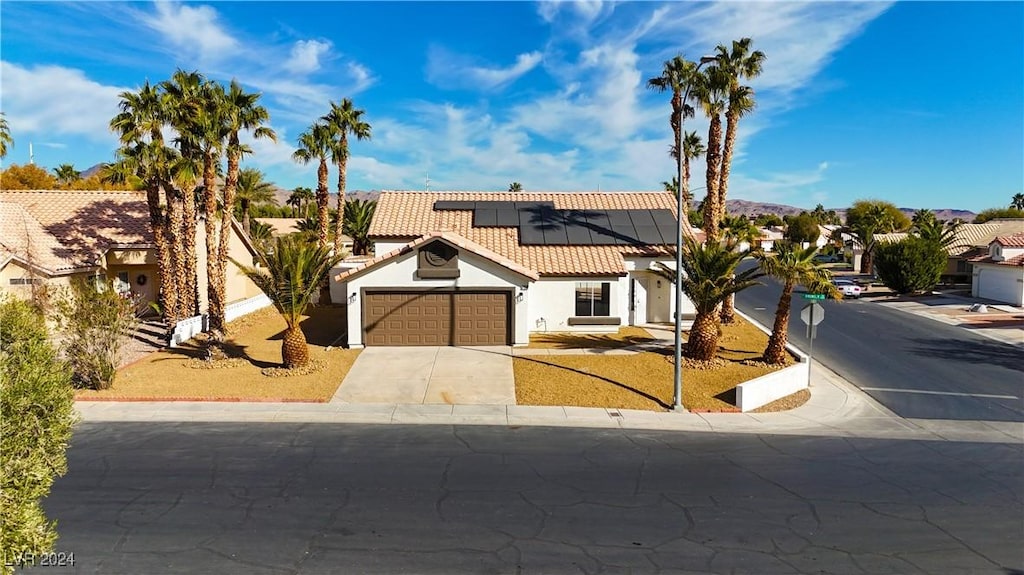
[915, 366]
[194, 497]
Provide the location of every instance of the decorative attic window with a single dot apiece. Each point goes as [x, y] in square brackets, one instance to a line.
[996, 252]
[438, 260]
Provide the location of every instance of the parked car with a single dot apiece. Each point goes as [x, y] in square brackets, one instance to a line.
[828, 258]
[848, 288]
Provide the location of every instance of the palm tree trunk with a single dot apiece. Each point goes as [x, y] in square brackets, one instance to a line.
[165, 266]
[776, 350]
[189, 295]
[866, 260]
[214, 304]
[684, 186]
[340, 224]
[712, 212]
[321, 202]
[177, 261]
[732, 120]
[246, 224]
[227, 215]
[728, 314]
[294, 350]
[702, 342]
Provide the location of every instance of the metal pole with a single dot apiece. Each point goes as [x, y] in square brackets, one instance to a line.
[810, 347]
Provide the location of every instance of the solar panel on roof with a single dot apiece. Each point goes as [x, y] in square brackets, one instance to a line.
[641, 217]
[534, 205]
[577, 233]
[483, 217]
[668, 232]
[663, 217]
[441, 205]
[619, 217]
[554, 229]
[530, 234]
[649, 235]
[507, 217]
[624, 234]
[497, 205]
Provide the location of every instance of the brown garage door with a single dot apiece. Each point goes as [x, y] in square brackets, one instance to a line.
[445, 318]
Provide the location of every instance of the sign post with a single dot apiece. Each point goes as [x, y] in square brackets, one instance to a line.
[812, 314]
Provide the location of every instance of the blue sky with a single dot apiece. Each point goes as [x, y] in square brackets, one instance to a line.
[918, 103]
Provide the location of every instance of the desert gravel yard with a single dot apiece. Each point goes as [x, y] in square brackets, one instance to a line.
[644, 380]
[254, 344]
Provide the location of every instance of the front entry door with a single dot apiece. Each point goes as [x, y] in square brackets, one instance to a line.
[638, 307]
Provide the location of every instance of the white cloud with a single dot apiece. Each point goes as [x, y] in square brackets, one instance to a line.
[194, 30]
[448, 70]
[53, 100]
[305, 56]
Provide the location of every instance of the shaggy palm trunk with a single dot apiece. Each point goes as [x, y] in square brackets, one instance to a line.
[165, 265]
[712, 212]
[340, 224]
[684, 188]
[214, 303]
[732, 119]
[728, 314]
[246, 224]
[189, 295]
[321, 202]
[226, 216]
[702, 343]
[776, 350]
[294, 350]
[173, 238]
[866, 261]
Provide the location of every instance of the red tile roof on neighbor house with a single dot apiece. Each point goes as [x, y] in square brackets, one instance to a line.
[450, 237]
[1012, 241]
[410, 215]
[24, 239]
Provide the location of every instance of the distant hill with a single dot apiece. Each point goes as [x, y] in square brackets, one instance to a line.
[748, 208]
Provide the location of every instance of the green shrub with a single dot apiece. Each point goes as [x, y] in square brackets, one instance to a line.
[802, 228]
[909, 266]
[95, 324]
[36, 418]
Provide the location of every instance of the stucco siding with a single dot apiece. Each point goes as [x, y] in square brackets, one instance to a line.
[1000, 283]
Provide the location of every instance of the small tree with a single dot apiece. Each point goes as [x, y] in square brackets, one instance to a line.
[909, 266]
[803, 229]
[95, 322]
[36, 420]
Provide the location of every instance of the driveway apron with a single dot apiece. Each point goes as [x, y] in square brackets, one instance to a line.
[441, 375]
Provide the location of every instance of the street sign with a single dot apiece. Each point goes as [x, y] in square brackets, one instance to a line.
[814, 296]
[812, 314]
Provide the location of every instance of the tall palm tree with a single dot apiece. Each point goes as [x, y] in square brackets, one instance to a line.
[709, 278]
[515, 187]
[289, 275]
[736, 229]
[737, 64]
[344, 119]
[922, 217]
[252, 189]
[5, 136]
[1017, 202]
[693, 148]
[67, 174]
[261, 234]
[711, 91]
[792, 266]
[947, 236]
[315, 145]
[358, 215]
[305, 197]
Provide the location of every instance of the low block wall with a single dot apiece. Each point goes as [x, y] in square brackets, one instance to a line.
[193, 326]
[776, 385]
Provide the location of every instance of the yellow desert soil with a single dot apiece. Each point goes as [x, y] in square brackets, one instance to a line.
[256, 339]
[643, 380]
[626, 336]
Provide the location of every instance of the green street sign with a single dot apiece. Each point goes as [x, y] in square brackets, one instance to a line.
[814, 296]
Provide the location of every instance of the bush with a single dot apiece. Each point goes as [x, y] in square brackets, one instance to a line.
[803, 228]
[994, 213]
[909, 266]
[36, 418]
[95, 322]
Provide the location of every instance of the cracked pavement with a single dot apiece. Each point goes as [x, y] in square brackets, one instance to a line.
[259, 498]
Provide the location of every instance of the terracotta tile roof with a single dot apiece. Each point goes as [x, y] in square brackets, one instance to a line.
[23, 238]
[87, 223]
[1017, 261]
[451, 238]
[284, 226]
[1014, 241]
[411, 215]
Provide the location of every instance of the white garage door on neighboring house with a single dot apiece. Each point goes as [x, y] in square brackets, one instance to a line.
[1000, 284]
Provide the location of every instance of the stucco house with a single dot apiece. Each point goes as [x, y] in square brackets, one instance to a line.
[999, 274]
[490, 268]
[52, 236]
[972, 242]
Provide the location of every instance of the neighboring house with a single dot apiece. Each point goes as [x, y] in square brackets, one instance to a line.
[972, 242]
[472, 268]
[768, 238]
[999, 274]
[285, 226]
[52, 236]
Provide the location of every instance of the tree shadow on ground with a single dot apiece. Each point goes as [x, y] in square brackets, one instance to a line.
[563, 340]
[993, 353]
[325, 326]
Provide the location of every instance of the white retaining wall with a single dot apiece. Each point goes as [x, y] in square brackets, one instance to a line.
[193, 326]
[775, 385]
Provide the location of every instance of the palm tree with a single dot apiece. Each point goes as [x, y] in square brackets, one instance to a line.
[315, 145]
[737, 64]
[947, 236]
[737, 229]
[358, 215]
[5, 136]
[295, 202]
[289, 275]
[709, 278]
[693, 148]
[252, 189]
[67, 174]
[792, 266]
[1017, 202]
[672, 187]
[515, 187]
[344, 119]
[922, 217]
[711, 91]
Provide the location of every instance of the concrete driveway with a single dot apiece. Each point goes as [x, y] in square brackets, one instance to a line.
[445, 375]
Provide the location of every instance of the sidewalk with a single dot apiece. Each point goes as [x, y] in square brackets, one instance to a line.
[835, 409]
[1002, 322]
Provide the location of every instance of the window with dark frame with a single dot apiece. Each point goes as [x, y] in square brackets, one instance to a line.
[593, 299]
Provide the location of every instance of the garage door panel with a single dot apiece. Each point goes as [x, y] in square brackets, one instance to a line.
[447, 318]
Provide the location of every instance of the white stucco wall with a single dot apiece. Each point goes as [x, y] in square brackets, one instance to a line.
[475, 272]
[999, 283]
[381, 247]
[553, 302]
